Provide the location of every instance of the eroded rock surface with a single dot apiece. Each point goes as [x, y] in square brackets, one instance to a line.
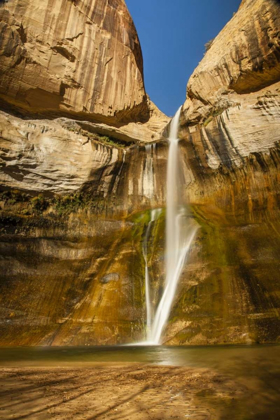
[86, 187]
[63, 156]
[243, 58]
[81, 58]
[231, 133]
[74, 56]
[74, 121]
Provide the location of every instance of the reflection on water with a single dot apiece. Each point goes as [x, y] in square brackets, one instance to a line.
[255, 368]
[229, 359]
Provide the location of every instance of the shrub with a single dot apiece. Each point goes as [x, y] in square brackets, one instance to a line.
[39, 203]
[208, 45]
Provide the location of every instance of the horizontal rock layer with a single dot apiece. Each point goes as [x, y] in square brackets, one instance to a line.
[63, 157]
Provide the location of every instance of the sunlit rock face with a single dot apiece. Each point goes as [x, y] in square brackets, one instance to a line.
[243, 58]
[74, 56]
[231, 131]
[79, 58]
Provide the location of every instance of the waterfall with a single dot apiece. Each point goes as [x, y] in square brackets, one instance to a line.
[180, 233]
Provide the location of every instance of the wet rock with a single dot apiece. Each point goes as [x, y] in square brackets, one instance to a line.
[110, 277]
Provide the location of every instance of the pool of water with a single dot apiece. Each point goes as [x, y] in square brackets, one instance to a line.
[231, 359]
[256, 369]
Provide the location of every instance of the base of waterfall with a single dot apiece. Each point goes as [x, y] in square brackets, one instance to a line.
[144, 344]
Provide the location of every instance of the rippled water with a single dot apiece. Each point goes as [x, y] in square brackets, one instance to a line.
[230, 359]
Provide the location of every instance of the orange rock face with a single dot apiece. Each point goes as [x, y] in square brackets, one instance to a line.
[72, 56]
[231, 115]
[230, 138]
[243, 58]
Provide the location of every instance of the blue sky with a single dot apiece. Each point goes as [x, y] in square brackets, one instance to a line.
[172, 36]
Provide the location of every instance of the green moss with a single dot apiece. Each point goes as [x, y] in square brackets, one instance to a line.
[20, 203]
[69, 203]
[108, 140]
[11, 197]
[39, 203]
[214, 113]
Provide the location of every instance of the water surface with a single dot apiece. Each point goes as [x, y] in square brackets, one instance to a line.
[253, 369]
[236, 360]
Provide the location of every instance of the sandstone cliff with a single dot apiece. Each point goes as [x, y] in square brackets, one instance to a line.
[62, 155]
[243, 58]
[231, 132]
[74, 118]
[74, 56]
[62, 59]
[231, 118]
[77, 192]
[79, 58]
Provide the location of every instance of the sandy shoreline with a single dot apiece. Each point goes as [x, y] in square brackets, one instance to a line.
[125, 391]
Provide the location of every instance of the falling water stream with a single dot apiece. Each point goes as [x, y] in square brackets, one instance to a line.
[180, 233]
[149, 308]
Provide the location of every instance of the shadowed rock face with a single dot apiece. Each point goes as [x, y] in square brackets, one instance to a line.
[80, 57]
[73, 269]
[75, 281]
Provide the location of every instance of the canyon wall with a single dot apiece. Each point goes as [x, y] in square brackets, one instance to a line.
[78, 58]
[72, 267]
[230, 130]
[75, 167]
[79, 177]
